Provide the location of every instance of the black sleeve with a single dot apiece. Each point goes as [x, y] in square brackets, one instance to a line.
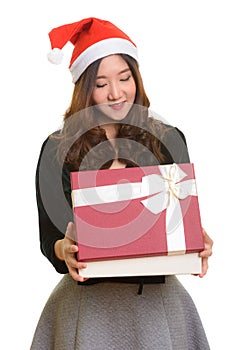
[174, 147]
[54, 212]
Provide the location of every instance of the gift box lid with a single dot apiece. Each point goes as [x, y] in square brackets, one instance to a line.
[136, 212]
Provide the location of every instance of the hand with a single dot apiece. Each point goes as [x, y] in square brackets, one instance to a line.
[206, 253]
[66, 249]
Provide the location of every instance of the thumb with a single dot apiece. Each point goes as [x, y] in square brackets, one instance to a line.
[71, 231]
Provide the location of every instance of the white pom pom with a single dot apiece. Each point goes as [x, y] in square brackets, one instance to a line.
[55, 56]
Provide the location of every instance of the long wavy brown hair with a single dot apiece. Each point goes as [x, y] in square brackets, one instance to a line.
[83, 142]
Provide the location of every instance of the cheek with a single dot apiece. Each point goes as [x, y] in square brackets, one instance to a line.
[97, 96]
[132, 91]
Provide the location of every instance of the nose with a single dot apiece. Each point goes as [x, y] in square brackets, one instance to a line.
[114, 92]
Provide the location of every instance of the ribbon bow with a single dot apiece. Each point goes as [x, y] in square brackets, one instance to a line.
[168, 190]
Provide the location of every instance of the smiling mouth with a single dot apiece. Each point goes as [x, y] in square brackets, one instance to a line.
[117, 106]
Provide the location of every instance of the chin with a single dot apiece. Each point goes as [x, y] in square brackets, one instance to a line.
[115, 114]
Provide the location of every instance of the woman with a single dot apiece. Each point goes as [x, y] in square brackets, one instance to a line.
[107, 126]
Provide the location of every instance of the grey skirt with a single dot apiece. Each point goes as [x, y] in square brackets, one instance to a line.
[107, 315]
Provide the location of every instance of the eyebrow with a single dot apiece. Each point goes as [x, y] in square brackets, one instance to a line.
[121, 72]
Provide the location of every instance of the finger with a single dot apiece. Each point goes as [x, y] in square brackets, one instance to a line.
[205, 267]
[208, 244]
[71, 262]
[74, 272]
[71, 249]
[205, 253]
[71, 232]
[82, 265]
[75, 275]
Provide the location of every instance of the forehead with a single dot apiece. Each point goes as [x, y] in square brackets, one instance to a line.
[112, 64]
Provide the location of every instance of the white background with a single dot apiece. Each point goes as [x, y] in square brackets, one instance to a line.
[186, 59]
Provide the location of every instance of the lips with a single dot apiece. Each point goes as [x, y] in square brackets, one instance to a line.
[117, 106]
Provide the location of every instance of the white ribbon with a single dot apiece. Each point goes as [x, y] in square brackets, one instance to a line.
[166, 191]
[172, 190]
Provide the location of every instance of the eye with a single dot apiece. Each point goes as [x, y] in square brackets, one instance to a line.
[100, 85]
[126, 79]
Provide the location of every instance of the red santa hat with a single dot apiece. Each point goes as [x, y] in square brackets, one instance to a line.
[93, 39]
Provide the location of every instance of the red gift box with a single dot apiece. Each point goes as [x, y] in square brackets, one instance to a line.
[131, 213]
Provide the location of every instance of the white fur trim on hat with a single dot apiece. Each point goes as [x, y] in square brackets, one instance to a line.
[99, 50]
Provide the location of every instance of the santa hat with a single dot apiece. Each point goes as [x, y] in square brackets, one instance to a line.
[93, 39]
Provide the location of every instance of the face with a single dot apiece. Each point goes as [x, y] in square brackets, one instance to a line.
[115, 88]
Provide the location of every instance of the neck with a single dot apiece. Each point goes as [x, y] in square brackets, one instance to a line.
[111, 130]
